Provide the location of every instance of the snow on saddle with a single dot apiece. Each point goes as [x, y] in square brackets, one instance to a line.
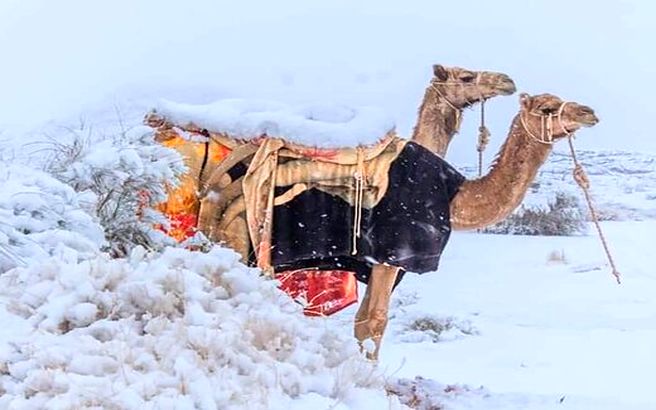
[246, 158]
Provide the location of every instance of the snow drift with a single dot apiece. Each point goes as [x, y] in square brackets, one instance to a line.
[178, 330]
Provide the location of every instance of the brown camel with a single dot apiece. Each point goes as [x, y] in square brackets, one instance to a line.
[477, 203]
[451, 90]
[542, 120]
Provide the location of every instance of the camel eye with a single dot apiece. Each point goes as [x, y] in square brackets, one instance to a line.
[548, 110]
[467, 78]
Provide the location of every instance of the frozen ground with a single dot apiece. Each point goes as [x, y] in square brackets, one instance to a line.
[537, 327]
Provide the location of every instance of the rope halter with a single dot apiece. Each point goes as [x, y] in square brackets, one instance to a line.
[457, 110]
[546, 125]
[462, 84]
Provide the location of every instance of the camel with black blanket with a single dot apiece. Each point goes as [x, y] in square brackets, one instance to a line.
[378, 211]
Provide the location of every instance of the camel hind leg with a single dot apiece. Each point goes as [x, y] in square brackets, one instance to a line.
[372, 316]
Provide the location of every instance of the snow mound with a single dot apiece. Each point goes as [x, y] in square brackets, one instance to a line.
[41, 217]
[180, 329]
[320, 125]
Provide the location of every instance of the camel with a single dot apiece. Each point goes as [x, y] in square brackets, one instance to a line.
[472, 204]
[542, 120]
[451, 90]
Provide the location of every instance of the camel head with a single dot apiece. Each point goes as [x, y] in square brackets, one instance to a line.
[462, 87]
[547, 118]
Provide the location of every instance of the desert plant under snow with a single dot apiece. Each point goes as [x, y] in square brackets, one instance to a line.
[562, 216]
[126, 173]
[41, 217]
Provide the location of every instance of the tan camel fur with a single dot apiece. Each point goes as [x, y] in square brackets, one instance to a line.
[451, 90]
[542, 120]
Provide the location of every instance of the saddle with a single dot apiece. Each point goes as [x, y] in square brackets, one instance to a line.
[237, 209]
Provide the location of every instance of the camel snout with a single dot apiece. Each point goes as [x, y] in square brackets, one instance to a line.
[587, 115]
[506, 85]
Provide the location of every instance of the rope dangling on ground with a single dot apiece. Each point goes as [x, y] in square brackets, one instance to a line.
[483, 139]
[583, 181]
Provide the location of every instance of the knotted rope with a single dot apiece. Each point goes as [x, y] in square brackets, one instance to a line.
[483, 139]
[579, 174]
[583, 181]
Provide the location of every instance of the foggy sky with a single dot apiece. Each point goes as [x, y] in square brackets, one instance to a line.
[62, 58]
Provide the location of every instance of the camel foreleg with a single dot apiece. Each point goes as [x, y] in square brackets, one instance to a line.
[372, 316]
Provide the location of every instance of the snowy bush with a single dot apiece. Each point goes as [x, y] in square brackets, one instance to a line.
[126, 174]
[422, 328]
[41, 217]
[179, 329]
[562, 216]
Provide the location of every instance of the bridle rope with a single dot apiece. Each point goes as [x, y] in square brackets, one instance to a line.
[583, 181]
[457, 112]
[483, 139]
[483, 131]
[546, 125]
[579, 174]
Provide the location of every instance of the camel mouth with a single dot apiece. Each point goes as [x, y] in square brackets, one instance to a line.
[506, 87]
[587, 117]
[582, 116]
[589, 121]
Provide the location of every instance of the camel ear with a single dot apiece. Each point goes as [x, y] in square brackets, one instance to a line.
[525, 100]
[440, 72]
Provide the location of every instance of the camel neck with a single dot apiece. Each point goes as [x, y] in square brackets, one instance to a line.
[518, 161]
[494, 196]
[438, 122]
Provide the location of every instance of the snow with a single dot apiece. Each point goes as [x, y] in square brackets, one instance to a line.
[176, 330]
[40, 217]
[543, 329]
[321, 125]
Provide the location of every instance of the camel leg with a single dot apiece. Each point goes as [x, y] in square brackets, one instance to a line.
[371, 318]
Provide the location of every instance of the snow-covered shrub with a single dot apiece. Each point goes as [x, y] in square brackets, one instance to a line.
[562, 216]
[177, 329]
[126, 174]
[421, 328]
[427, 394]
[41, 217]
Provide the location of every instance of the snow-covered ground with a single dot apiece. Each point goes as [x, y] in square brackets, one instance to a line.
[541, 320]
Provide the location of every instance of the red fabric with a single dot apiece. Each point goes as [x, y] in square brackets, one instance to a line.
[183, 226]
[325, 291]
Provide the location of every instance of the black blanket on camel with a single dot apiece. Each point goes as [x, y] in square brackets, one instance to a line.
[409, 227]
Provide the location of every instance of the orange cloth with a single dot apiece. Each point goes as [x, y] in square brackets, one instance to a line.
[181, 206]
